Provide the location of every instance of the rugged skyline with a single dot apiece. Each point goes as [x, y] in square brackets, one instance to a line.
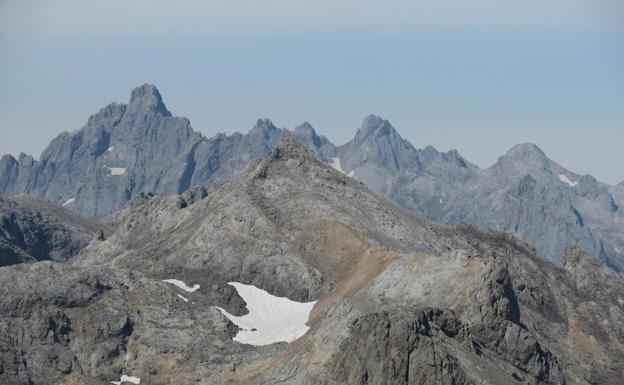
[318, 192]
[478, 78]
[140, 147]
[399, 300]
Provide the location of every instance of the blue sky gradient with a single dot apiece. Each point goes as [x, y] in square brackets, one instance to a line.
[478, 79]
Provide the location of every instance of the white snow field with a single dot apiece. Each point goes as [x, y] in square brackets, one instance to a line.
[182, 285]
[270, 319]
[69, 201]
[567, 181]
[183, 298]
[124, 378]
[117, 170]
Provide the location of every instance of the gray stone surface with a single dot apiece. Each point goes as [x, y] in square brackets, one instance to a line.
[521, 194]
[32, 230]
[400, 300]
[158, 153]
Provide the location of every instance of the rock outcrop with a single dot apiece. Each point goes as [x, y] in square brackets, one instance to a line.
[36, 230]
[400, 300]
[524, 193]
[139, 147]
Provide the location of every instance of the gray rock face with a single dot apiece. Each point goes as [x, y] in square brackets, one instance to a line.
[400, 300]
[36, 230]
[121, 150]
[524, 193]
[140, 147]
[617, 192]
[66, 325]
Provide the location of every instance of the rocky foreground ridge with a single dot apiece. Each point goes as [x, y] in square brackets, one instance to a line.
[400, 300]
[33, 229]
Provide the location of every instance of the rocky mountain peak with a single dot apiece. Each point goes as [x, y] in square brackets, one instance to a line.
[525, 151]
[7, 159]
[374, 124]
[378, 143]
[147, 98]
[289, 156]
[306, 134]
[524, 159]
[290, 148]
[305, 128]
[264, 124]
[25, 159]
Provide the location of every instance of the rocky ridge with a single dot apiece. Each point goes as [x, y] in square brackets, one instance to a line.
[125, 150]
[33, 230]
[399, 300]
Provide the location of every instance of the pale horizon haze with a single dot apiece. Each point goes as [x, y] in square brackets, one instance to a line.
[476, 76]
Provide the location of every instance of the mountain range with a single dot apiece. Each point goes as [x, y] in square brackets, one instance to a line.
[391, 298]
[139, 147]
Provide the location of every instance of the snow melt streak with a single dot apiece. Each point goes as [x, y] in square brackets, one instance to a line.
[271, 319]
[69, 201]
[182, 285]
[567, 181]
[124, 378]
[335, 163]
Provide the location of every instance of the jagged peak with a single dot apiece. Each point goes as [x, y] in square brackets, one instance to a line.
[525, 150]
[290, 148]
[263, 124]
[306, 132]
[374, 124]
[8, 159]
[287, 149]
[25, 158]
[148, 97]
[372, 121]
[522, 159]
[306, 128]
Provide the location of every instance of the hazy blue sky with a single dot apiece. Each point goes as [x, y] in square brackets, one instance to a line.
[478, 76]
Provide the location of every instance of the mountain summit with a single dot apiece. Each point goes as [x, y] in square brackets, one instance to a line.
[147, 98]
[128, 149]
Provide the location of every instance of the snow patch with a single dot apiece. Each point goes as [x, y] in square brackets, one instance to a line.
[441, 201]
[183, 298]
[124, 378]
[270, 319]
[567, 181]
[335, 163]
[69, 201]
[182, 285]
[110, 149]
[117, 170]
